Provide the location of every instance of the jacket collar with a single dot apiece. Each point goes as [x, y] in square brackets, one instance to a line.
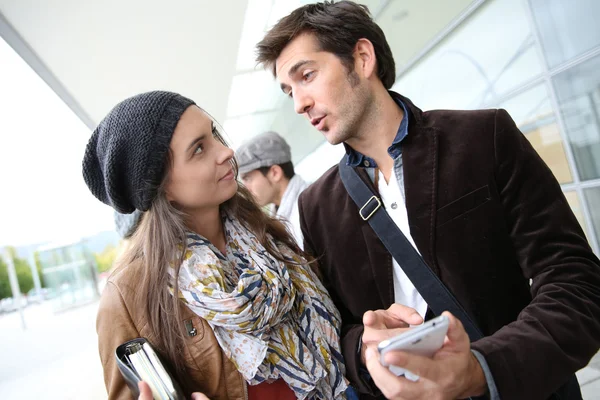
[420, 167]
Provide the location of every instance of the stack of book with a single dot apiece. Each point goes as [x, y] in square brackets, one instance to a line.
[139, 361]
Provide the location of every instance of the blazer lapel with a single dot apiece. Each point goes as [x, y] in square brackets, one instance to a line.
[420, 166]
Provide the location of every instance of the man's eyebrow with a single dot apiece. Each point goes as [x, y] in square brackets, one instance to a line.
[297, 66]
[293, 70]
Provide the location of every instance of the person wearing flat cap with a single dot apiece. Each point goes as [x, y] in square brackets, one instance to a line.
[219, 288]
[266, 169]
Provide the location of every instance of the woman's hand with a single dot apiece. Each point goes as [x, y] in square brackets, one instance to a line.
[146, 393]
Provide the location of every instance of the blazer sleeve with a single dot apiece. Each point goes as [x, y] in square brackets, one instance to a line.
[114, 326]
[559, 331]
[351, 334]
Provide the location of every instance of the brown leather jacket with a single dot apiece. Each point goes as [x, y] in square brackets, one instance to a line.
[120, 318]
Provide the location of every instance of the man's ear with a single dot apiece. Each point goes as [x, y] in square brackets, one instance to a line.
[365, 59]
[275, 173]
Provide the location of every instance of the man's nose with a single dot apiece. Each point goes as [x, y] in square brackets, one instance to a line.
[302, 103]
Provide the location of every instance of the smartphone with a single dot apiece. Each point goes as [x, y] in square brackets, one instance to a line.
[423, 340]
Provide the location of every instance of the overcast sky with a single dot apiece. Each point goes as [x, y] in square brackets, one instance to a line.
[43, 197]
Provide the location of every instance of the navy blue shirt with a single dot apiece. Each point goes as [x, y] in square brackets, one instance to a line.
[356, 159]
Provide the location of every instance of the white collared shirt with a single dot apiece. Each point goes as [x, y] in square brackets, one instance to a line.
[405, 292]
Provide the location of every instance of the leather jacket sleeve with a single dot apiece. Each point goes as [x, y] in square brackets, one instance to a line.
[114, 326]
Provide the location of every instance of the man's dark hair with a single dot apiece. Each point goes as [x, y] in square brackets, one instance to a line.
[337, 28]
[288, 170]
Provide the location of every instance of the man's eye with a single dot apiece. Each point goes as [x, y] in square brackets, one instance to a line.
[199, 149]
[308, 75]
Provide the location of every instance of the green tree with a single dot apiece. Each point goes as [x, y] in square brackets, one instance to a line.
[38, 264]
[24, 275]
[106, 258]
[4, 282]
[23, 271]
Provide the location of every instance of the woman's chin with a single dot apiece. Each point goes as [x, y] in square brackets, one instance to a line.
[230, 189]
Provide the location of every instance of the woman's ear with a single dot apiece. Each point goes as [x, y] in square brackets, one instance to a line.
[365, 58]
[167, 193]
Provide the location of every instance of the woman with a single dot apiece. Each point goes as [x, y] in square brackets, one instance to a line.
[249, 318]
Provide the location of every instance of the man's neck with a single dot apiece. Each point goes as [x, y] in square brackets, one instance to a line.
[281, 188]
[379, 131]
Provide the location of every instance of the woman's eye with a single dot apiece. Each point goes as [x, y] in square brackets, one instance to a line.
[199, 149]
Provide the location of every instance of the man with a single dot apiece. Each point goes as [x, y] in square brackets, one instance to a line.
[266, 168]
[471, 195]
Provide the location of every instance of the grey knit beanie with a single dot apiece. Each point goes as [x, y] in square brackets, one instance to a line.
[124, 162]
[126, 224]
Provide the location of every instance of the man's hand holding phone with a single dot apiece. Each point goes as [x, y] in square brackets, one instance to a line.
[385, 324]
[424, 340]
[453, 371]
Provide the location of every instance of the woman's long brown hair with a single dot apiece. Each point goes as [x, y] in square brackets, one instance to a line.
[159, 244]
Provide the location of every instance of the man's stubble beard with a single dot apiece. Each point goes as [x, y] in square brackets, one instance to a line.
[356, 110]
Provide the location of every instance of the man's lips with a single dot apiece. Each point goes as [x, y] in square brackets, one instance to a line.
[316, 122]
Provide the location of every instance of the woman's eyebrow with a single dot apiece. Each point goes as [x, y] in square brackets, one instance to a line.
[196, 141]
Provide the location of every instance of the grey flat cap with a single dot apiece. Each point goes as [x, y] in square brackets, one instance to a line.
[263, 150]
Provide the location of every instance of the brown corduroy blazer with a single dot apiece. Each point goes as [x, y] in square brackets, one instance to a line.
[487, 215]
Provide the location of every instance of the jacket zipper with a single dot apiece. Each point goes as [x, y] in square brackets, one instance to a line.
[245, 389]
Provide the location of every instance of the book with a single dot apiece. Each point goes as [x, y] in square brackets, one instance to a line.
[138, 361]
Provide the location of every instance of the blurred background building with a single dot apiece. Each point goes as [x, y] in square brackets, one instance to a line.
[539, 59]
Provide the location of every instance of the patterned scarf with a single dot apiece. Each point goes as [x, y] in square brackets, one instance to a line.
[272, 319]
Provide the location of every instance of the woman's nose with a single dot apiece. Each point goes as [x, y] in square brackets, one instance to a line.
[225, 154]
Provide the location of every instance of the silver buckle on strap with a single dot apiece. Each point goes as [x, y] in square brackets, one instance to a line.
[372, 212]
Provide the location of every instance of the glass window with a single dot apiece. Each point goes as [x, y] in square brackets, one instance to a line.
[482, 59]
[319, 161]
[533, 114]
[573, 200]
[592, 197]
[243, 128]
[566, 28]
[302, 137]
[578, 92]
[409, 26]
[266, 94]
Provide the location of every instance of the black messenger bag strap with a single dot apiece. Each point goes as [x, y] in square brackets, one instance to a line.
[435, 293]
